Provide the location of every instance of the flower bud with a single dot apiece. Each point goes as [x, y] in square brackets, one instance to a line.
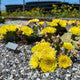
[56, 41]
[48, 39]
[37, 42]
[51, 44]
[46, 35]
[61, 42]
[75, 52]
[61, 53]
[58, 36]
[71, 62]
[78, 44]
[69, 51]
[43, 40]
[41, 28]
[53, 37]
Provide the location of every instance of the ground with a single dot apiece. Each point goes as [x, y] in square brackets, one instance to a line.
[15, 66]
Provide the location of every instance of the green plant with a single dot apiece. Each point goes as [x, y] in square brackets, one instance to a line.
[11, 36]
[66, 37]
[2, 20]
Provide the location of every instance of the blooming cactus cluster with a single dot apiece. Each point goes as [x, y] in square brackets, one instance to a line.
[52, 51]
[44, 57]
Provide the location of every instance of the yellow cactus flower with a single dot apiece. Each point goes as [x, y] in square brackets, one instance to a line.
[34, 20]
[56, 20]
[48, 30]
[78, 23]
[70, 22]
[26, 30]
[46, 52]
[1, 37]
[34, 61]
[12, 27]
[63, 23]
[48, 65]
[78, 26]
[41, 23]
[64, 61]
[54, 5]
[3, 31]
[40, 46]
[75, 30]
[67, 45]
[52, 24]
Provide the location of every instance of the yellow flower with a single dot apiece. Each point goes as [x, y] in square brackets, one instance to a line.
[41, 23]
[3, 31]
[56, 20]
[78, 26]
[40, 46]
[47, 52]
[34, 61]
[48, 30]
[12, 27]
[63, 23]
[52, 24]
[26, 30]
[43, 40]
[1, 37]
[34, 20]
[70, 22]
[64, 61]
[54, 5]
[67, 45]
[75, 30]
[78, 23]
[48, 65]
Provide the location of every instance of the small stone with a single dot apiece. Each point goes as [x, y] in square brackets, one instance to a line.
[13, 70]
[11, 77]
[74, 69]
[1, 68]
[46, 74]
[21, 79]
[0, 77]
[68, 75]
[56, 79]
[37, 79]
[79, 73]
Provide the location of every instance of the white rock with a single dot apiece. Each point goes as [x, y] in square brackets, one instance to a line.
[46, 74]
[68, 75]
[37, 79]
[21, 79]
[74, 69]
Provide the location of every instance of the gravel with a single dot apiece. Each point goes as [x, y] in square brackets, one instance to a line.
[15, 66]
[15, 22]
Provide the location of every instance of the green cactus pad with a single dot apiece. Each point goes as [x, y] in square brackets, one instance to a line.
[66, 37]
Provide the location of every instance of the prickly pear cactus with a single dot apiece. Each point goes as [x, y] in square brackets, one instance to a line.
[68, 28]
[77, 38]
[75, 44]
[66, 37]
[45, 24]
[77, 41]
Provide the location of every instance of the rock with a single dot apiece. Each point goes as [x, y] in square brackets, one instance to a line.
[46, 74]
[74, 69]
[37, 79]
[15, 67]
